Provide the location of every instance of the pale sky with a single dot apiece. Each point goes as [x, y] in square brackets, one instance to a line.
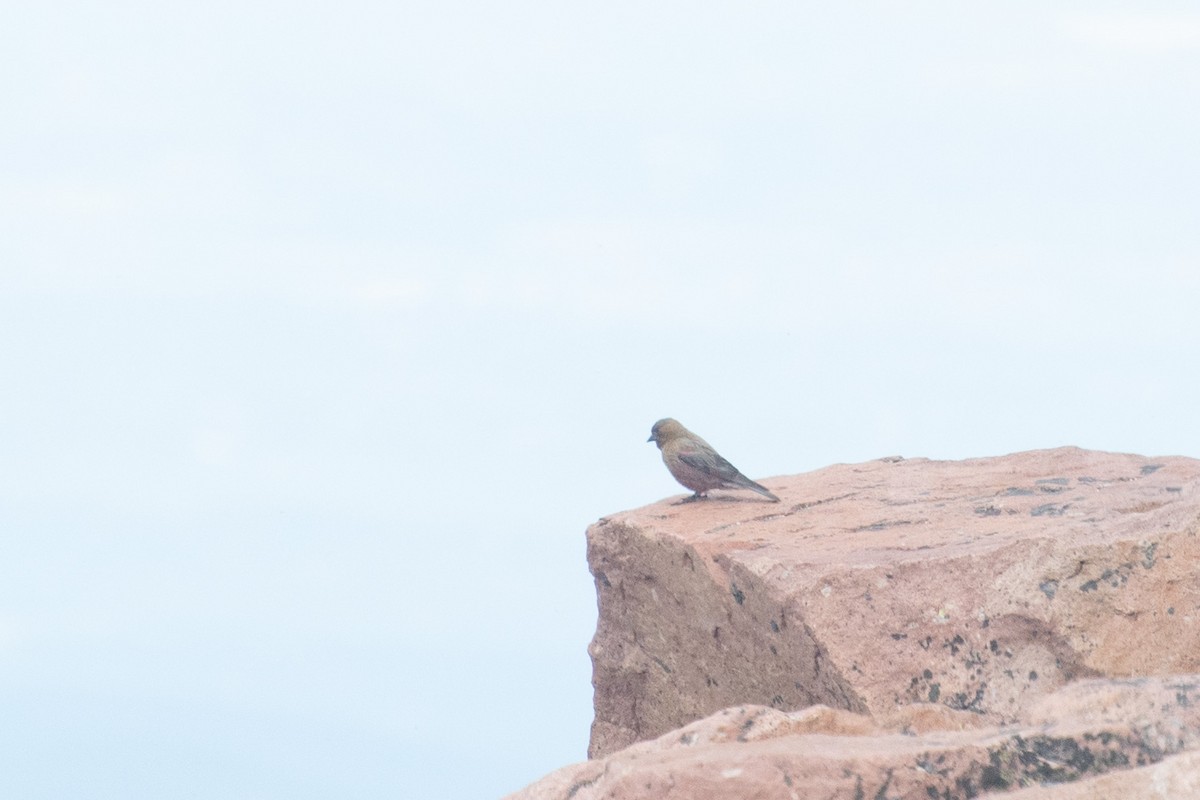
[329, 328]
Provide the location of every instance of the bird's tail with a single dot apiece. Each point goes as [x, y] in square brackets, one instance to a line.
[761, 490]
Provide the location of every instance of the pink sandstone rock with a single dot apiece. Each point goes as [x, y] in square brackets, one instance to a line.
[1094, 728]
[1175, 778]
[976, 587]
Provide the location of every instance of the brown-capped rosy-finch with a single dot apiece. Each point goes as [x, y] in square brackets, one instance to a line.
[695, 464]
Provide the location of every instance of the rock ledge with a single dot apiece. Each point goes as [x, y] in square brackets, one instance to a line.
[902, 628]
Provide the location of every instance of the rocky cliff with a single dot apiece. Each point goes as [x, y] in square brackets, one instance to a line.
[954, 622]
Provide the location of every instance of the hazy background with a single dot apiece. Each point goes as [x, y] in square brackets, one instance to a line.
[328, 327]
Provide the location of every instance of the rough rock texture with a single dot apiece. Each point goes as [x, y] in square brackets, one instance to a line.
[1176, 778]
[1096, 728]
[979, 586]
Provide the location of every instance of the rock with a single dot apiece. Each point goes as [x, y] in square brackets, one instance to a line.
[1099, 728]
[975, 588]
[1175, 778]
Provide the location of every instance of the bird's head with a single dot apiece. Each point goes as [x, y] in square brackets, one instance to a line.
[665, 430]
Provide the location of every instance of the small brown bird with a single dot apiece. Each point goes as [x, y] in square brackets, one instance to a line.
[695, 464]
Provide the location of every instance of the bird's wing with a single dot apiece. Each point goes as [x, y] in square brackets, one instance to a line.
[710, 462]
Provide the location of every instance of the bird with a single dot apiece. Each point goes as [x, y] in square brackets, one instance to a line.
[695, 463]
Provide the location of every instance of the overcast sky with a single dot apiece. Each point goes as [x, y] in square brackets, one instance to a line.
[329, 327]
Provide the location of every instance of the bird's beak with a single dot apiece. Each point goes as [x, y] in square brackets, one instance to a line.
[651, 439]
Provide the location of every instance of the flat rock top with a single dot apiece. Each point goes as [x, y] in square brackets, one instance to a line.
[895, 510]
